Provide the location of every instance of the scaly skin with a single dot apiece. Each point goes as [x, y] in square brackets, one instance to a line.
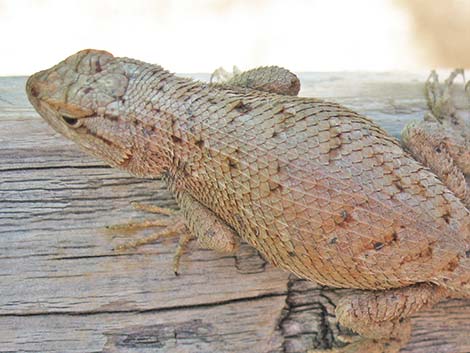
[318, 189]
[272, 79]
[441, 140]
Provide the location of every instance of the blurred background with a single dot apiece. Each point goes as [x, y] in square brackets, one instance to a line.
[201, 35]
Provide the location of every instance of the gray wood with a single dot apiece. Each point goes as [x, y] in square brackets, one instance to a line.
[65, 289]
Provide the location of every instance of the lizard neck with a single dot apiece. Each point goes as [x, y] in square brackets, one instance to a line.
[167, 129]
[154, 126]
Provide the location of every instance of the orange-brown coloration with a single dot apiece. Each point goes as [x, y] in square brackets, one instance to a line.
[318, 189]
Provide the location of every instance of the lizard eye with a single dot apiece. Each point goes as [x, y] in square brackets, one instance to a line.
[72, 122]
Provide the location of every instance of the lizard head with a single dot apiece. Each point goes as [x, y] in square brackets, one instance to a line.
[83, 98]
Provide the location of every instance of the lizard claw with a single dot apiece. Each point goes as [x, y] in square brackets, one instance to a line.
[175, 226]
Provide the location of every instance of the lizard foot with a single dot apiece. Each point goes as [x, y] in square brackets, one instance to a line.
[174, 226]
[193, 221]
[381, 318]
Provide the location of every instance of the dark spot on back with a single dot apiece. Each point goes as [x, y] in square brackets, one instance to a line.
[242, 107]
[467, 254]
[231, 119]
[147, 131]
[239, 220]
[391, 237]
[398, 185]
[333, 240]
[199, 143]
[446, 217]
[115, 118]
[176, 139]
[88, 90]
[273, 186]
[173, 122]
[344, 217]
[232, 164]
[427, 252]
[453, 264]
[378, 245]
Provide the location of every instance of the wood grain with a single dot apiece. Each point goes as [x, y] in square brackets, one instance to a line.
[65, 289]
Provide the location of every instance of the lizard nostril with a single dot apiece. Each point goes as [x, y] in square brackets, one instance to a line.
[34, 92]
[31, 87]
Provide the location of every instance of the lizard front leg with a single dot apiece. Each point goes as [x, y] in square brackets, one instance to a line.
[382, 318]
[193, 221]
[209, 230]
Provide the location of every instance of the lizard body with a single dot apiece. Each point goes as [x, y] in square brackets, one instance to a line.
[318, 189]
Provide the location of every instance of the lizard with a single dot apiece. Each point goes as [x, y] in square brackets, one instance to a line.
[441, 140]
[318, 189]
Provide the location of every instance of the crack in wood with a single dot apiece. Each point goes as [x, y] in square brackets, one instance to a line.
[150, 310]
[162, 336]
[308, 320]
[53, 167]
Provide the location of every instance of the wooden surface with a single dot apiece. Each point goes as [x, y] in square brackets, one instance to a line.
[64, 289]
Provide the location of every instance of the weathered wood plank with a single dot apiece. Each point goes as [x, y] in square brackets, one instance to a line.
[230, 327]
[64, 288]
[66, 212]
